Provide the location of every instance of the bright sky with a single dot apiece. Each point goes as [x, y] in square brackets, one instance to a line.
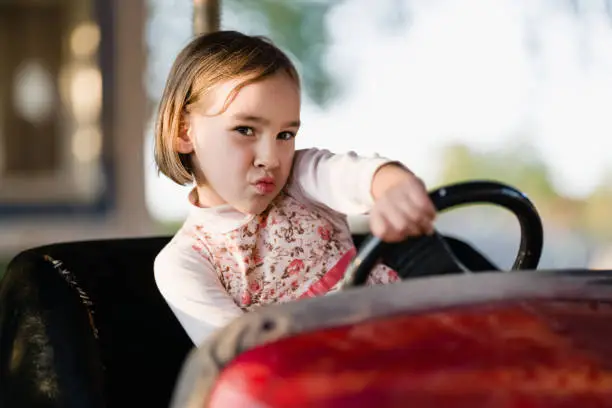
[476, 71]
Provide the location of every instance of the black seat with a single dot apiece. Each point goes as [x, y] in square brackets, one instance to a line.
[82, 324]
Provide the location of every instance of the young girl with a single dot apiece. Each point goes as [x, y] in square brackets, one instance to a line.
[267, 223]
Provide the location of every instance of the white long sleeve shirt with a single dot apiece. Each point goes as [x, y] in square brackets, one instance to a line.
[222, 263]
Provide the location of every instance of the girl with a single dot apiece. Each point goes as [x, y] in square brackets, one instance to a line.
[267, 224]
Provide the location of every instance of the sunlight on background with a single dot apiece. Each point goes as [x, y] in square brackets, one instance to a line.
[418, 79]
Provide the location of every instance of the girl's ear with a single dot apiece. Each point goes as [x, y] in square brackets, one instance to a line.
[184, 144]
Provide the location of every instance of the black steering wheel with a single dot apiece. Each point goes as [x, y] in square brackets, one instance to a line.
[432, 254]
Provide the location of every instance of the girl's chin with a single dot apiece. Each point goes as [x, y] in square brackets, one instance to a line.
[257, 206]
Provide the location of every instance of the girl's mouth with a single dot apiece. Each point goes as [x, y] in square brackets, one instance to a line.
[265, 185]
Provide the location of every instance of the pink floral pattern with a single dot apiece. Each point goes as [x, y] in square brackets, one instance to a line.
[281, 254]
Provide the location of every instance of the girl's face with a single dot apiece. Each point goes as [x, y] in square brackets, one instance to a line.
[243, 156]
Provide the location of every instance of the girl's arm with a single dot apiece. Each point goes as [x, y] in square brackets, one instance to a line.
[342, 182]
[190, 286]
[395, 198]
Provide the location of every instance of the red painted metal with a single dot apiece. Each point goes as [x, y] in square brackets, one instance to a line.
[507, 355]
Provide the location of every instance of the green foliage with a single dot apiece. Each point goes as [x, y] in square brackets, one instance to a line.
[299, 28]
[597, 217]
[520, 167]
[517, 166]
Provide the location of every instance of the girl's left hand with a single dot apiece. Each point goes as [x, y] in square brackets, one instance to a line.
[402, 207]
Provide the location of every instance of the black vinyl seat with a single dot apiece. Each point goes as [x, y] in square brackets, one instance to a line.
[82, 324]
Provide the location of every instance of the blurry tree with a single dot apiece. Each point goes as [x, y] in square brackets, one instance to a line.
[598, 212]
[520, 167]
[298, 26]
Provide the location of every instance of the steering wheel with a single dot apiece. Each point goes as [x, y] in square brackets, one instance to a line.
[432, 254]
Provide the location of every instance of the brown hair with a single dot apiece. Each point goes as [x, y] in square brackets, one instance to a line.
[205, 62]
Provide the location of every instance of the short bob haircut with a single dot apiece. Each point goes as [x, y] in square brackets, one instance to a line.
[205, 62]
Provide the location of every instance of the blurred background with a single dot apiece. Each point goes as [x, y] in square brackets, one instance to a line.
[518, 91]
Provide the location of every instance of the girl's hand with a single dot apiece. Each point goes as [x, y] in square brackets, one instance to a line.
[402, 207]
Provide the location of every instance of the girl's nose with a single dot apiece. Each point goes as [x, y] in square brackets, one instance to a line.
[267, 156]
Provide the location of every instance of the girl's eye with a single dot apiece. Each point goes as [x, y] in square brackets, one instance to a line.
[245, 130]
[286, 135]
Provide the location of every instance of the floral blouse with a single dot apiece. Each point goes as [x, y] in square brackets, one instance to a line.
[222, 262]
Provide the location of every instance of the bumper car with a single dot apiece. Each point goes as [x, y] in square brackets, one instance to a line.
[83, 325]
